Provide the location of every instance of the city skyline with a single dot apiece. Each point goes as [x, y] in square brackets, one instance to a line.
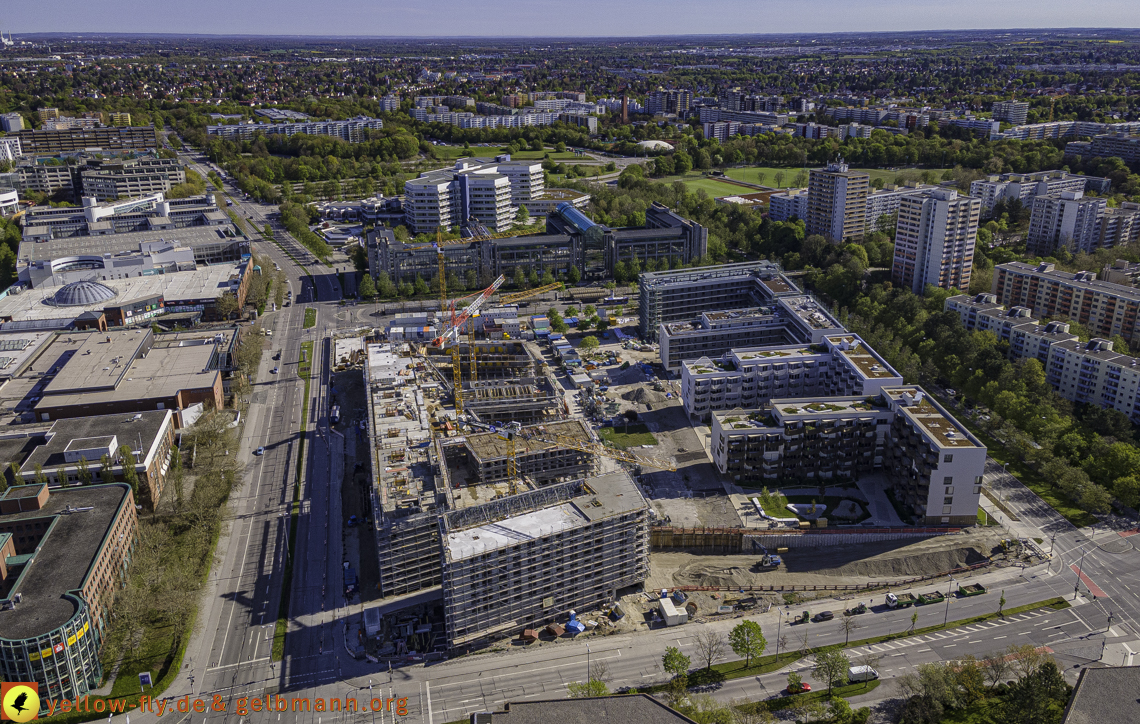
[595, 19]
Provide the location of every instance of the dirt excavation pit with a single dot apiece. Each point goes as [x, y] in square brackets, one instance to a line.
[642, 395]
[826, 565]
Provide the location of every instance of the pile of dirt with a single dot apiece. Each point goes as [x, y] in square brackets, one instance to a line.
[644, 395]
[847, 564]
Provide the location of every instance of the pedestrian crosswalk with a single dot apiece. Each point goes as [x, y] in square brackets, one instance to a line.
[902, 643]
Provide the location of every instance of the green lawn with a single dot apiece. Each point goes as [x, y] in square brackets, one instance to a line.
[773, 505]
[753, 174]
[627, 437]
[310, 317]
[717, 188]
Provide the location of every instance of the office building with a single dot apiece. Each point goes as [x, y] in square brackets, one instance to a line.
[750, 376]
[72, 443]
[934, 240]
[932, 464]
[1015, 112]
[281, 114]
[760, 118]
[109, 181]
[572, 240]
[483, 189]
[44, 143]
[1024, 186]
[681, 295]
[92, 230]
[837, 203]
[792, 202]
[11, 122]
[1084, 372]
[1066, 220]
[1105, 309]
[354, 130]
[67, 551]
[784, 320]
[519, 562]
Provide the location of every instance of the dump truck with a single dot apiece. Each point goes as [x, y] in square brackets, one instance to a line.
[932, 597]
[972, 589]
[900, 600]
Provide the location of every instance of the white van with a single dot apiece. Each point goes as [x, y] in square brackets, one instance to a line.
[855, 674]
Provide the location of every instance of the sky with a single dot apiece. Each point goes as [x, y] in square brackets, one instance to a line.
[547, 18]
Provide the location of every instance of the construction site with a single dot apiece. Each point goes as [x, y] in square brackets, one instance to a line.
[517, 500]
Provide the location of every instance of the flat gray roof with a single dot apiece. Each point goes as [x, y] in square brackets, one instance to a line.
[64, 557]
[191, 236]
[99, 362]
[126, 427]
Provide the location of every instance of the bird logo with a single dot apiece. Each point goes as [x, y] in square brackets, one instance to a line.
[20, 701]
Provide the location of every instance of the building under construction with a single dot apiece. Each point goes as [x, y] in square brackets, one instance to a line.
[524, 560]
[539, 458]
[506, 386]
[405, 503]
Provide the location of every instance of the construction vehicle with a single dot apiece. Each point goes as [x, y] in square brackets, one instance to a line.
[861, 608]
[900, 600]
[804, 617]
[769, 560]
[932, 597]
[972, 589]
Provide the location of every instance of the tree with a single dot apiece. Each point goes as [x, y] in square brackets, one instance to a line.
[130, 475]
[523, 216]
[419, 287]
[367, 288]
[848, 624]
[106, 474]
[14, 471]
[1001, 604]
[710, 647]
[518, 278]
[794, 681]
[1039, 698]
[831, 666]
[589, 343]
[747, 641]
[226, 305]
[780, 176]
[176, 477]
[1025, 659]
[996, 668]
[84, 472]
[547, 278]
[674, 662]
[41, 478]
[574, 276]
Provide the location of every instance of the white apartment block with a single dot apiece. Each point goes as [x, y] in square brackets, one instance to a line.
[934, 240]
[1120, 226]
[1015, 112]
[489, 191]
[1087, 372]
[353, 130]
[1024, 186]
[11, 122]
[886, 201]
[10, 148]
[837, 203]
[931, 463]
[1065, 220]
[389, 104]
[750, 376]
[783, 206]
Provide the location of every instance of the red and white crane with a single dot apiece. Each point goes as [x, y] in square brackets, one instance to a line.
[451, 327]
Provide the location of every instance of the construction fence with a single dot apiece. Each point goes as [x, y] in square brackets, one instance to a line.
[740, 540]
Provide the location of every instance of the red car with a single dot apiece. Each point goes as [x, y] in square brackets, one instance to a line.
[802, 688]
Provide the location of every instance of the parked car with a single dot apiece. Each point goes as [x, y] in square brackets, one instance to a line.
[802, 688]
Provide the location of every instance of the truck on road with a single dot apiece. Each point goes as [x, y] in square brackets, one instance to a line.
[972, 589]
[900, 600]
[856, 674]
[932, 597]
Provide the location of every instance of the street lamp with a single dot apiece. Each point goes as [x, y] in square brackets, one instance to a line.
[779, 625]
[946, 616]
[587, 667]
[1080, 569]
